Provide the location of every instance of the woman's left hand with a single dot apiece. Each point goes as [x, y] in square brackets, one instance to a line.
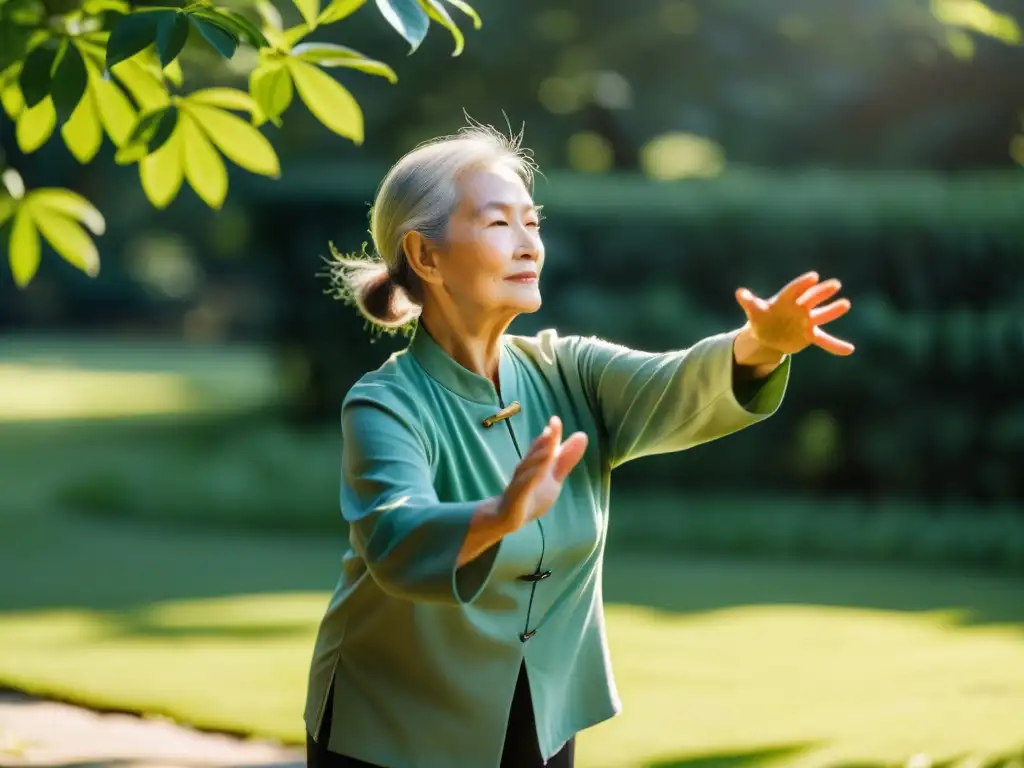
[791, 320]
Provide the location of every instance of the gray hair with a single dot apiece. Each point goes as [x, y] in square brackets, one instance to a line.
[418, 194]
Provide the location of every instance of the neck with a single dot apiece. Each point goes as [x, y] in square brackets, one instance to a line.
[474, 343]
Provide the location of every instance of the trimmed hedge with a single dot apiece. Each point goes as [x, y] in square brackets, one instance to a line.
[271, 477]
[928, 407]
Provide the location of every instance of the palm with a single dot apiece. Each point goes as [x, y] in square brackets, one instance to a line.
[544, 494]
[539, 478]
[791, 320]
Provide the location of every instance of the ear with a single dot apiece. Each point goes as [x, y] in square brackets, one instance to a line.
[421, 257]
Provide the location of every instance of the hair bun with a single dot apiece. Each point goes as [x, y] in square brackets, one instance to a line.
[377, 295]
[384, 301]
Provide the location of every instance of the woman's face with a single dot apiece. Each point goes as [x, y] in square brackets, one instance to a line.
[493, 256]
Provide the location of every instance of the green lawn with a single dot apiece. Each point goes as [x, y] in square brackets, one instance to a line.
[808, 665]
[720, 662]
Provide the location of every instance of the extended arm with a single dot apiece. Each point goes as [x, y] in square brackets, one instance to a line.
[650, 403]
[414, 545]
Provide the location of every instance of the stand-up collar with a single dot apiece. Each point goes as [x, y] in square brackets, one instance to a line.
[444, 369]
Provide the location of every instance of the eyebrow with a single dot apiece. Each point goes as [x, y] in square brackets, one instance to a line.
[505, 207]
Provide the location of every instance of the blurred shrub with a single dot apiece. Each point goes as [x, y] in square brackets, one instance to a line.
[269, 477]
[929, 405]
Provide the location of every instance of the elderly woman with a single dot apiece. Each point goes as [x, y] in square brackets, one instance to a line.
[467, 627]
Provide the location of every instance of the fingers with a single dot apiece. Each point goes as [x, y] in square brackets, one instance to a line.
[543, 449]
[569, 454]
[794, 288]
[819, 293]
[830, 312]
[749, 302]
[830, 343]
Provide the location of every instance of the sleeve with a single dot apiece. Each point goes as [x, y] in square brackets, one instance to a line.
[409, 540]
[652, 403]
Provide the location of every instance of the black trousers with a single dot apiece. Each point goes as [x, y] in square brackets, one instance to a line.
[521, 748]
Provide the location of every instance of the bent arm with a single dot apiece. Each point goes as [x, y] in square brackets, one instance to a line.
[414, 546]
[651, 403]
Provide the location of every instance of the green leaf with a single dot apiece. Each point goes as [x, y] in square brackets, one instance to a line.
[37, 73]
[292, 35]
[171, 34]
[331, 55]
[269, 14]
[225, 98]
[150, 133]
[231, 22]
[247, 30]
[174, 73]
[8, 206]
[96, 7]
[69, 83]
[339, 9]
[67, 238]
[23, 247]
[68, 203]
[13, 183]
[14, 39]
[440, 14]
[204, 169]
[95, 54]
[83, 133]
[225, 42]
[115, 111]
[132, 34]
[163, 171]
[310, 10]
[408, 18]
[271, 88]
[10, 98]
[468, 10]
[328, 100]
[35, 126]
[145, 88]
[242, 144]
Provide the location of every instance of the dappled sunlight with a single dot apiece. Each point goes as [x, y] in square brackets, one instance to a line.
[977, 17]
[865, 685]
[31, 393]
[236, 664]
[794, 685]
[675, 156]
[47, 380]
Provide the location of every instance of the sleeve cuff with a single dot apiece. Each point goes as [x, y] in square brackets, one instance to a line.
[469, 580]
[417, 559]
[762, 397]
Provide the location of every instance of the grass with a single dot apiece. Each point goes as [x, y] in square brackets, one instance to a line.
[720, 661]
[827, 663]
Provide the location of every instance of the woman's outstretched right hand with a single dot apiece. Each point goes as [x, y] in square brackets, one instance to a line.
[538, 478]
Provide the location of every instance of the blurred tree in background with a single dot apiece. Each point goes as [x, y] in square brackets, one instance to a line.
[106, 66]
[688, 145]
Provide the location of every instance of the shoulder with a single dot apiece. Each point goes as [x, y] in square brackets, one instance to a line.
[546, 346]
[551, 347]
[388, 394]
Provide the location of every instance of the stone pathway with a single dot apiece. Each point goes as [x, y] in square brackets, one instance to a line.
[45, 733]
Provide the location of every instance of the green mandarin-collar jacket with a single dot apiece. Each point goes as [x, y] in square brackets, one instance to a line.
[425, 654]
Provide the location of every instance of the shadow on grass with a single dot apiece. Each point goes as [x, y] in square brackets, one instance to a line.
[69, 562]
[50, 560]
[747, 758]
[136, 625]
[776, 757]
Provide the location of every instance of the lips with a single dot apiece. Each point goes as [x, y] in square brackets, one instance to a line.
[523, 277]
